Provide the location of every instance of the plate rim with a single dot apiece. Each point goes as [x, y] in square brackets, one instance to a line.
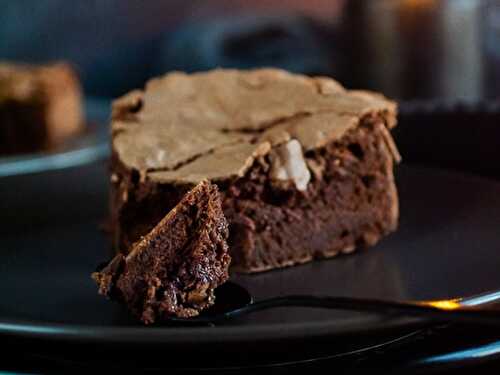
[175, 335]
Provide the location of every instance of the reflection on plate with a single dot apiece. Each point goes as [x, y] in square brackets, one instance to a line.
[87, 148]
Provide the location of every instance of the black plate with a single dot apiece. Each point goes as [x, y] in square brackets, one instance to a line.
[447, 245]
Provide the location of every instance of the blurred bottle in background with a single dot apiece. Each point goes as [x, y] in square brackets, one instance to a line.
[423, 48]
[491, 47]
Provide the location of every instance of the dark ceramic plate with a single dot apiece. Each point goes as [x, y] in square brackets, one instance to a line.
[447, 246]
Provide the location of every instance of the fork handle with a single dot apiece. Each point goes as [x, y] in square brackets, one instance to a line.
[462, 313]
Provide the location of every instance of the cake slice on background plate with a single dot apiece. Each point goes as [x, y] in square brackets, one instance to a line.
[40, 106]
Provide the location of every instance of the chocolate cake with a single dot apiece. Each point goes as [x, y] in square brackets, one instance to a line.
[304, 166]
[174, 269]
[40, 106]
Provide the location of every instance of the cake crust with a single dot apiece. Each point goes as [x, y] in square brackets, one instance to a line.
[216, 123]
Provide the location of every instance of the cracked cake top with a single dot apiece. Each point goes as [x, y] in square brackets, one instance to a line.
[184, 128]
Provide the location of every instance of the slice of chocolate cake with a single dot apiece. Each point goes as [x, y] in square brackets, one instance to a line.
[40, 106]
[174, 269]
[304, 166]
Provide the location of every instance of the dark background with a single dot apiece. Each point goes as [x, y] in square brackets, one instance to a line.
[409, 49]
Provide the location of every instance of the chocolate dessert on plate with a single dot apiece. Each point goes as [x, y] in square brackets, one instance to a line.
[304, 166]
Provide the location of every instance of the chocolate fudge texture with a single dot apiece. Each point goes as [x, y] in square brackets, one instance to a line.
[304, 166]
[174, 269]
[40, 106]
